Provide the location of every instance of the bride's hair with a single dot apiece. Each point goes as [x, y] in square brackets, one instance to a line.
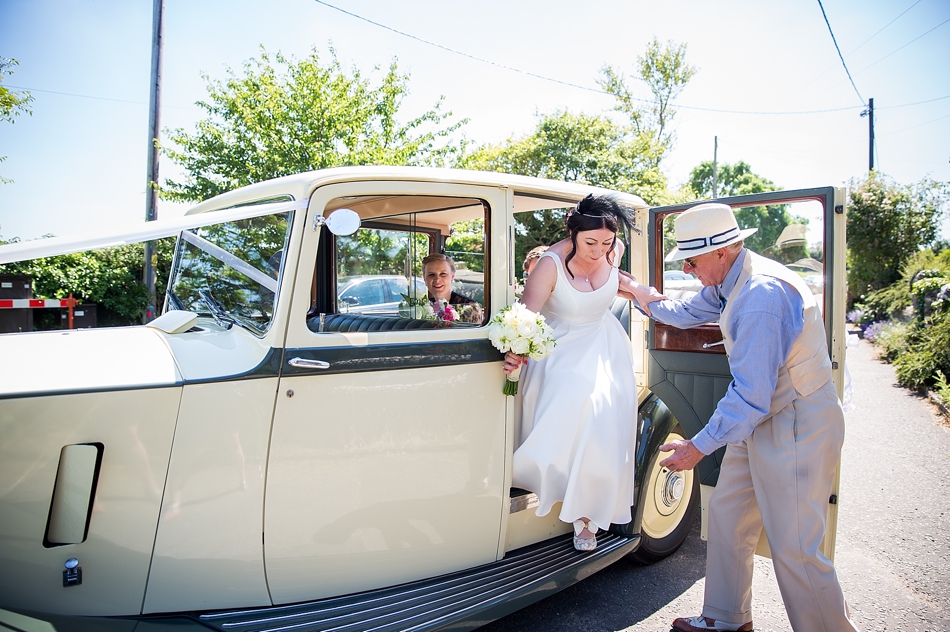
[594, 213]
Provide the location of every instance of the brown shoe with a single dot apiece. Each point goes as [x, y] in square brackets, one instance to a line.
[705, 624]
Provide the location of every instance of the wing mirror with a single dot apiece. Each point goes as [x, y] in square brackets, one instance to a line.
[342, 221]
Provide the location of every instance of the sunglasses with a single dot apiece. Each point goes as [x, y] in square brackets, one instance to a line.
[690, 261]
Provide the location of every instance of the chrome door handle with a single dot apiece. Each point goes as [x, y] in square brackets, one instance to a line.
[303, 363]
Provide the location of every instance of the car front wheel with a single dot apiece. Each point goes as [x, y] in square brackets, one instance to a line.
[671, 500]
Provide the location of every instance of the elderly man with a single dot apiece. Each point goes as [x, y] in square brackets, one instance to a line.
[780, 417]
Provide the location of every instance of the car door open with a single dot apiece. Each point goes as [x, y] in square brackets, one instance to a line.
[689, 370]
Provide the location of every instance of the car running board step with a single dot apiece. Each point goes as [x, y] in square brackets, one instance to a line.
[461, 601]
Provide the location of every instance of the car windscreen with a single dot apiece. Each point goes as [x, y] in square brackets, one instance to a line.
[231, 271]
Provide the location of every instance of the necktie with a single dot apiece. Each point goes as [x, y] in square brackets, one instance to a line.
[722, 303]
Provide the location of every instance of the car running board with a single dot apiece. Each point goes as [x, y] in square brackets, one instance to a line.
[459, 601]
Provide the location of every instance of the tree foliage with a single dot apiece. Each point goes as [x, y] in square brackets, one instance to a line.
[664, 70]
[771, 220]
[283, 116]
[12, 104]
[110, 277]
[596, 149]
[580, 147]
[887, 224]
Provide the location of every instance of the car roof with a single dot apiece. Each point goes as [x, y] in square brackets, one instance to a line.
[302, 185]
[294, 191]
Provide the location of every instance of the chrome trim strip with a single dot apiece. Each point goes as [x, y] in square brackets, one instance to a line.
[523, 502]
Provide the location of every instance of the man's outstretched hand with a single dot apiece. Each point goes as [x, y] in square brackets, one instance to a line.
[685, 455]
[642, 294]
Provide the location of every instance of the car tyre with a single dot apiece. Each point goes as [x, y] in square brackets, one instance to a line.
[671, 500]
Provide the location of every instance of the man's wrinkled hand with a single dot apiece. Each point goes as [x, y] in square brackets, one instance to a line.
[685, 455]
[645, 294]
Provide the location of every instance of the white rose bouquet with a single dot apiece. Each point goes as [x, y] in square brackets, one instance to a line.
[517, 329]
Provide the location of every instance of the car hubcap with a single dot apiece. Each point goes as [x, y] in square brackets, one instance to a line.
[670, 492]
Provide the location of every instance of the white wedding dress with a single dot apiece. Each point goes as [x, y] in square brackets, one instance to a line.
[578, 409]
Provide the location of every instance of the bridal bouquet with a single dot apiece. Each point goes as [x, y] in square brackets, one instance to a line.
[517, 329]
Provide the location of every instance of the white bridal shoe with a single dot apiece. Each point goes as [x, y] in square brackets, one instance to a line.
[585, 544]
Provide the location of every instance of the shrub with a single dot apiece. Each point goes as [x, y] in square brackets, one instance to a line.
[927, 351]
[942, 388]
[893, 302]
[889, 337]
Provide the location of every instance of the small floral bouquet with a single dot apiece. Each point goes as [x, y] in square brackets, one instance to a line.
[517, 329]
[424, 309]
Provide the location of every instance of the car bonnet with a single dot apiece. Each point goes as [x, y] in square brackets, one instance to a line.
[83, 360]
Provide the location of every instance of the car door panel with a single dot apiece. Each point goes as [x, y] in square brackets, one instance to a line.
[388, 465]
[690, 372]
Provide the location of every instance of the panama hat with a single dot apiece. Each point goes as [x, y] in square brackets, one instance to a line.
[705, 228]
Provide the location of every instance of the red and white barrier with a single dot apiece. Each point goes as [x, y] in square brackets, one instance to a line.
[35, 303]
[20, 303]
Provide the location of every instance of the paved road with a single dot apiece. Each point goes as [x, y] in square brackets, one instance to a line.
[893, 548]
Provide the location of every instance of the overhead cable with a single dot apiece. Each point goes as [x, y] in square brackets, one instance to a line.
[904, 46]
[89, 96]
[854, 50]
[840, 56]
[559, 81]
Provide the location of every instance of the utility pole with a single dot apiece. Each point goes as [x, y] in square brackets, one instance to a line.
[154, 123]
[870, 114]
[715, 182]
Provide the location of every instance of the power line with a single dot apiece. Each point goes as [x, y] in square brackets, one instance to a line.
[89, 96]
[939, 118]
[904, 46]
[907, 105]
[883, 27]
[840, 56]
[559, 81]
[833, 65]
[463, 54]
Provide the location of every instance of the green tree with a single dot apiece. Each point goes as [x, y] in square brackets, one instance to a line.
[887, 224]
[664, 70]
[12, 104]
[580, 147]
[284, 116]
[595, 149]
[771, 220]
[110, 277]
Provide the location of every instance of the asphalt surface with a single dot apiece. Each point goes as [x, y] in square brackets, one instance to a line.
[893, 539]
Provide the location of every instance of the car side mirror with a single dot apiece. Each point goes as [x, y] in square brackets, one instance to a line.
[342, 222]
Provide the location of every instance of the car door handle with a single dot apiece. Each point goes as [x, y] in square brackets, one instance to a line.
[303, 363]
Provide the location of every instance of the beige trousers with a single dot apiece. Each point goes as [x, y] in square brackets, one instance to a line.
[779, 479]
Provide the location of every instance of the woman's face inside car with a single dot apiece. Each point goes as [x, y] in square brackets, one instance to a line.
[438, 277]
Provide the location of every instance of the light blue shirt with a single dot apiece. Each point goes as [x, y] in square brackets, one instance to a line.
[767, 317]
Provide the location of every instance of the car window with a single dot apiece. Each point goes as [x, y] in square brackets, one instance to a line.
[363, 292]
[380, 269]
[791, 234]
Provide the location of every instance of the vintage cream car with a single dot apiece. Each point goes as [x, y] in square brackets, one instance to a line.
[261, 457]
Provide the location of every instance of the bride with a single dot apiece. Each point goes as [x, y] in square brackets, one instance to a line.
[578, 407]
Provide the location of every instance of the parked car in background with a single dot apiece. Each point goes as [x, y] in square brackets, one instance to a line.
[376, 294]
[680, 285]
[280, 451]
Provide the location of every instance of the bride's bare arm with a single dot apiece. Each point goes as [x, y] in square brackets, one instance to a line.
[642, 294]
[537, 291]
[540, 285]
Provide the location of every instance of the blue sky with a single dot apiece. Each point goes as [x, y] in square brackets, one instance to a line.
[770, 84]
